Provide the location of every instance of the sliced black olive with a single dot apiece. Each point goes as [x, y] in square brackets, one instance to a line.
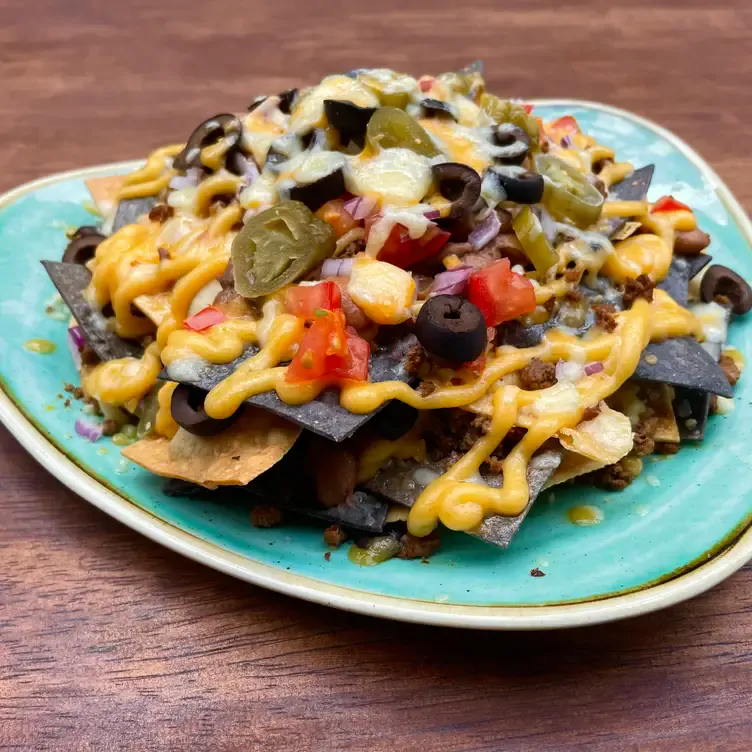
[722, 282]
[82, 246]
[520, 186]
[394, 420]
[315, 139]
[437, 109]
[452, 328]
[257, 103]
[287, 100]
[275, 158]
[236, 162]
[315, 195]
[85, 230]
[187, 408]
[459, 184]
[349, 119]
[514, 140]
[209, 132]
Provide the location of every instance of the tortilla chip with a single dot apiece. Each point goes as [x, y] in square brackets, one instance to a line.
[71, 281]
[323, 415]
[634, 187]
[606, 438]
[105, 191]
[130, 210]
[254, 443]
[666, 428]
[572, 466]
[155, 307]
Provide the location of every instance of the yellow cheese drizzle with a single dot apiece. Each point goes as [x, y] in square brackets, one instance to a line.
[128, 265]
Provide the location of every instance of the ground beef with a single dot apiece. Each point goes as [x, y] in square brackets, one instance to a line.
[730, 369]
[604, 316]
[414, 360]
[482, 422]
[572, 275]
[110, 427]
[537, 573]
[335, 536]
[161, 213]
[495, 465]
[573, 295]
[265, 516]
[425, 388]
[666, 447]
[90, 401]
[617, 476]
[591, 413]
[644, 443]
[537, 375]
[418, 548]
[164, 254]
[450, 433]
[642, 287]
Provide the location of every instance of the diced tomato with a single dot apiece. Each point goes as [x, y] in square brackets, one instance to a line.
[425, 83]
[567, 125]
[528, 108]
[668, 204]
[500, 294]
[360, 353]
[306, 300]
[334, 213]
[402, 251]
[330, 353]
[204, 319]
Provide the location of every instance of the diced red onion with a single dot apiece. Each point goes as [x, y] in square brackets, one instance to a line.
[566, 142]
[485, 232]
[360, 207]
[191, 179]
[88, 429]
[250, 170]
[451, 282]
[591, 368]
[566, 370]
[76, 342]
[336, 268]
[433, 214]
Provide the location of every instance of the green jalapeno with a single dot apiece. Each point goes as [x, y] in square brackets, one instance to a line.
[567, 192]
[390, 128]
[533, 240]
[379, 549]
[278, 246]
[504, 111]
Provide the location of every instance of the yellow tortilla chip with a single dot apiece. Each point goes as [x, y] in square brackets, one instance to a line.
[606, 438]
[254, 443]
[666, 428]
[155, 307]
[105, 191]
[572, 466]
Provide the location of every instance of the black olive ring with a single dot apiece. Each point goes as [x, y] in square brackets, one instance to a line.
[724, 282]
[187, 408]
[514, 141]
[459, 184]
[82, 246]
[520, 186]
[209, 132]
[451, 328]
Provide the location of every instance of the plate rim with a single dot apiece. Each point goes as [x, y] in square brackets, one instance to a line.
[645, 599]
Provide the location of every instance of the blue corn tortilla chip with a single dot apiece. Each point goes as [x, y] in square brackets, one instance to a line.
[324, 415]
[130, 210]
[692, 407]
[396, 483]
[634, 187]
[682, 362]
[361, 512]
[71, 280]
[683, 269]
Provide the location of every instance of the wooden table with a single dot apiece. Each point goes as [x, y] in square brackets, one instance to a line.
[108, 641]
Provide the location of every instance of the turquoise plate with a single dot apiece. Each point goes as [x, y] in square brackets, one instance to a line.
[681, 527]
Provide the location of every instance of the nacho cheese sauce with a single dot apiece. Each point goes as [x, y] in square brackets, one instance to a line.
[177, 259]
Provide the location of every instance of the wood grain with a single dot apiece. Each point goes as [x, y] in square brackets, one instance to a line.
[108, 641]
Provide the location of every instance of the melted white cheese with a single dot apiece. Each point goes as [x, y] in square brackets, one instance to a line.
[399, 177]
